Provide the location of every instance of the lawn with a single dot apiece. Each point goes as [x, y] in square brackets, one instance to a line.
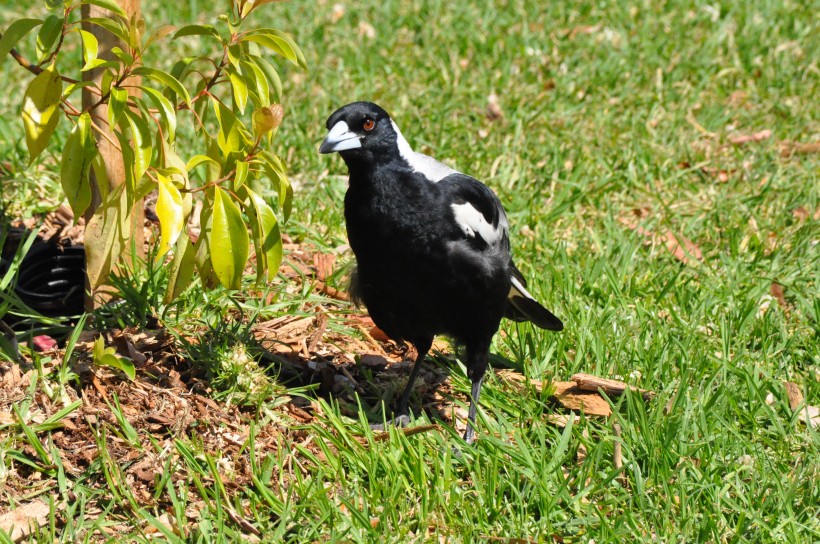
[659, 166]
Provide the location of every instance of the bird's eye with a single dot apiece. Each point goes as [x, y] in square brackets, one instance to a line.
[368, 124]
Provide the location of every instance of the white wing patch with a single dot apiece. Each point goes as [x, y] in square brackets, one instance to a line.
[518, 290]
[472, 222]
[432, 169]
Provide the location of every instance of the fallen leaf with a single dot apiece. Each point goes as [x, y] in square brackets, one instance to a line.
[366, 30]
[574, 398]
[24, 520]
[494, 111]
[800, 213]
[324, 263]
[777, 292]
[588, 382]
[788, 148]
[737, 98]
[810, 415]
[740, 139]
[682, 248]
[794, 394]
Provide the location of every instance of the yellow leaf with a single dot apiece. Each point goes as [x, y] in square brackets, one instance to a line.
[170, 213]
[41, 110]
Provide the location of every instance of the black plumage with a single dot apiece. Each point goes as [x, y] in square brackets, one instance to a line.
[431, 246]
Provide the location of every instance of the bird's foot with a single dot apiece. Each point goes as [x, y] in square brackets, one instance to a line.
[400, 422]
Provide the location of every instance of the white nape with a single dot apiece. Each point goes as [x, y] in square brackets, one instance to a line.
[432, 169]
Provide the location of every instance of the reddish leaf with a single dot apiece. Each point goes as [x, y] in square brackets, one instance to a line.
[740, 139]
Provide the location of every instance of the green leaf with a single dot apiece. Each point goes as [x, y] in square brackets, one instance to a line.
[50, 31]
[234, 54]
[73, 87]
[181, 271]
[196, 160]
[166, 111]
[41, 110]
[232, 135]
[90, 48]
[241, 175]
[202, 256]
[15, 32]
[110, 5]
[120, 363]
[278, 42]
[99, 348]
[259, 80]
[276, 172]
[169, 211]
[197, 30]
[78, 153]
[108, 78]
[143, 147]
[118, 97]
[267, 238]
[229, 241]
[272, 76]
[114, 26]
[239, 87]
[125, 58]
[165, 79]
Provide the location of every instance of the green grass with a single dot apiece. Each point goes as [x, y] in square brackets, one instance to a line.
[608, 108]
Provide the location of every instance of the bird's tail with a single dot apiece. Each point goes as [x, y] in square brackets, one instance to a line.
[523, 307]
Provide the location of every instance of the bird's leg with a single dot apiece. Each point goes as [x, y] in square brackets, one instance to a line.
[475, 391]
[403, 417]
[477, 360]
[404, 400]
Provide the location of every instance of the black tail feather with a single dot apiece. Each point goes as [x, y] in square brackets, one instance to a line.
[521, 308]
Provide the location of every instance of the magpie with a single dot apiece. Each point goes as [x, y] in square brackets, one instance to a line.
[431, 246]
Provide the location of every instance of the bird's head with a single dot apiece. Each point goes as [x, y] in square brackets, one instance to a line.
[360, 131]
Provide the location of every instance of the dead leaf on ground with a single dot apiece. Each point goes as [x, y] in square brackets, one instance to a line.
[588, 382]
[794, 394]
[568, 394]
[24, 520]
[722, 175]
[741, 139]
[324, 263]
[574, 398]
[737, 98]
[789, 148]
[681, 247]
[494, 111]
[810, 415]
[777, 292]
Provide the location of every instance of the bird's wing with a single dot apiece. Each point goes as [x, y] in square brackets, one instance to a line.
[479, 216]
[477, 213]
